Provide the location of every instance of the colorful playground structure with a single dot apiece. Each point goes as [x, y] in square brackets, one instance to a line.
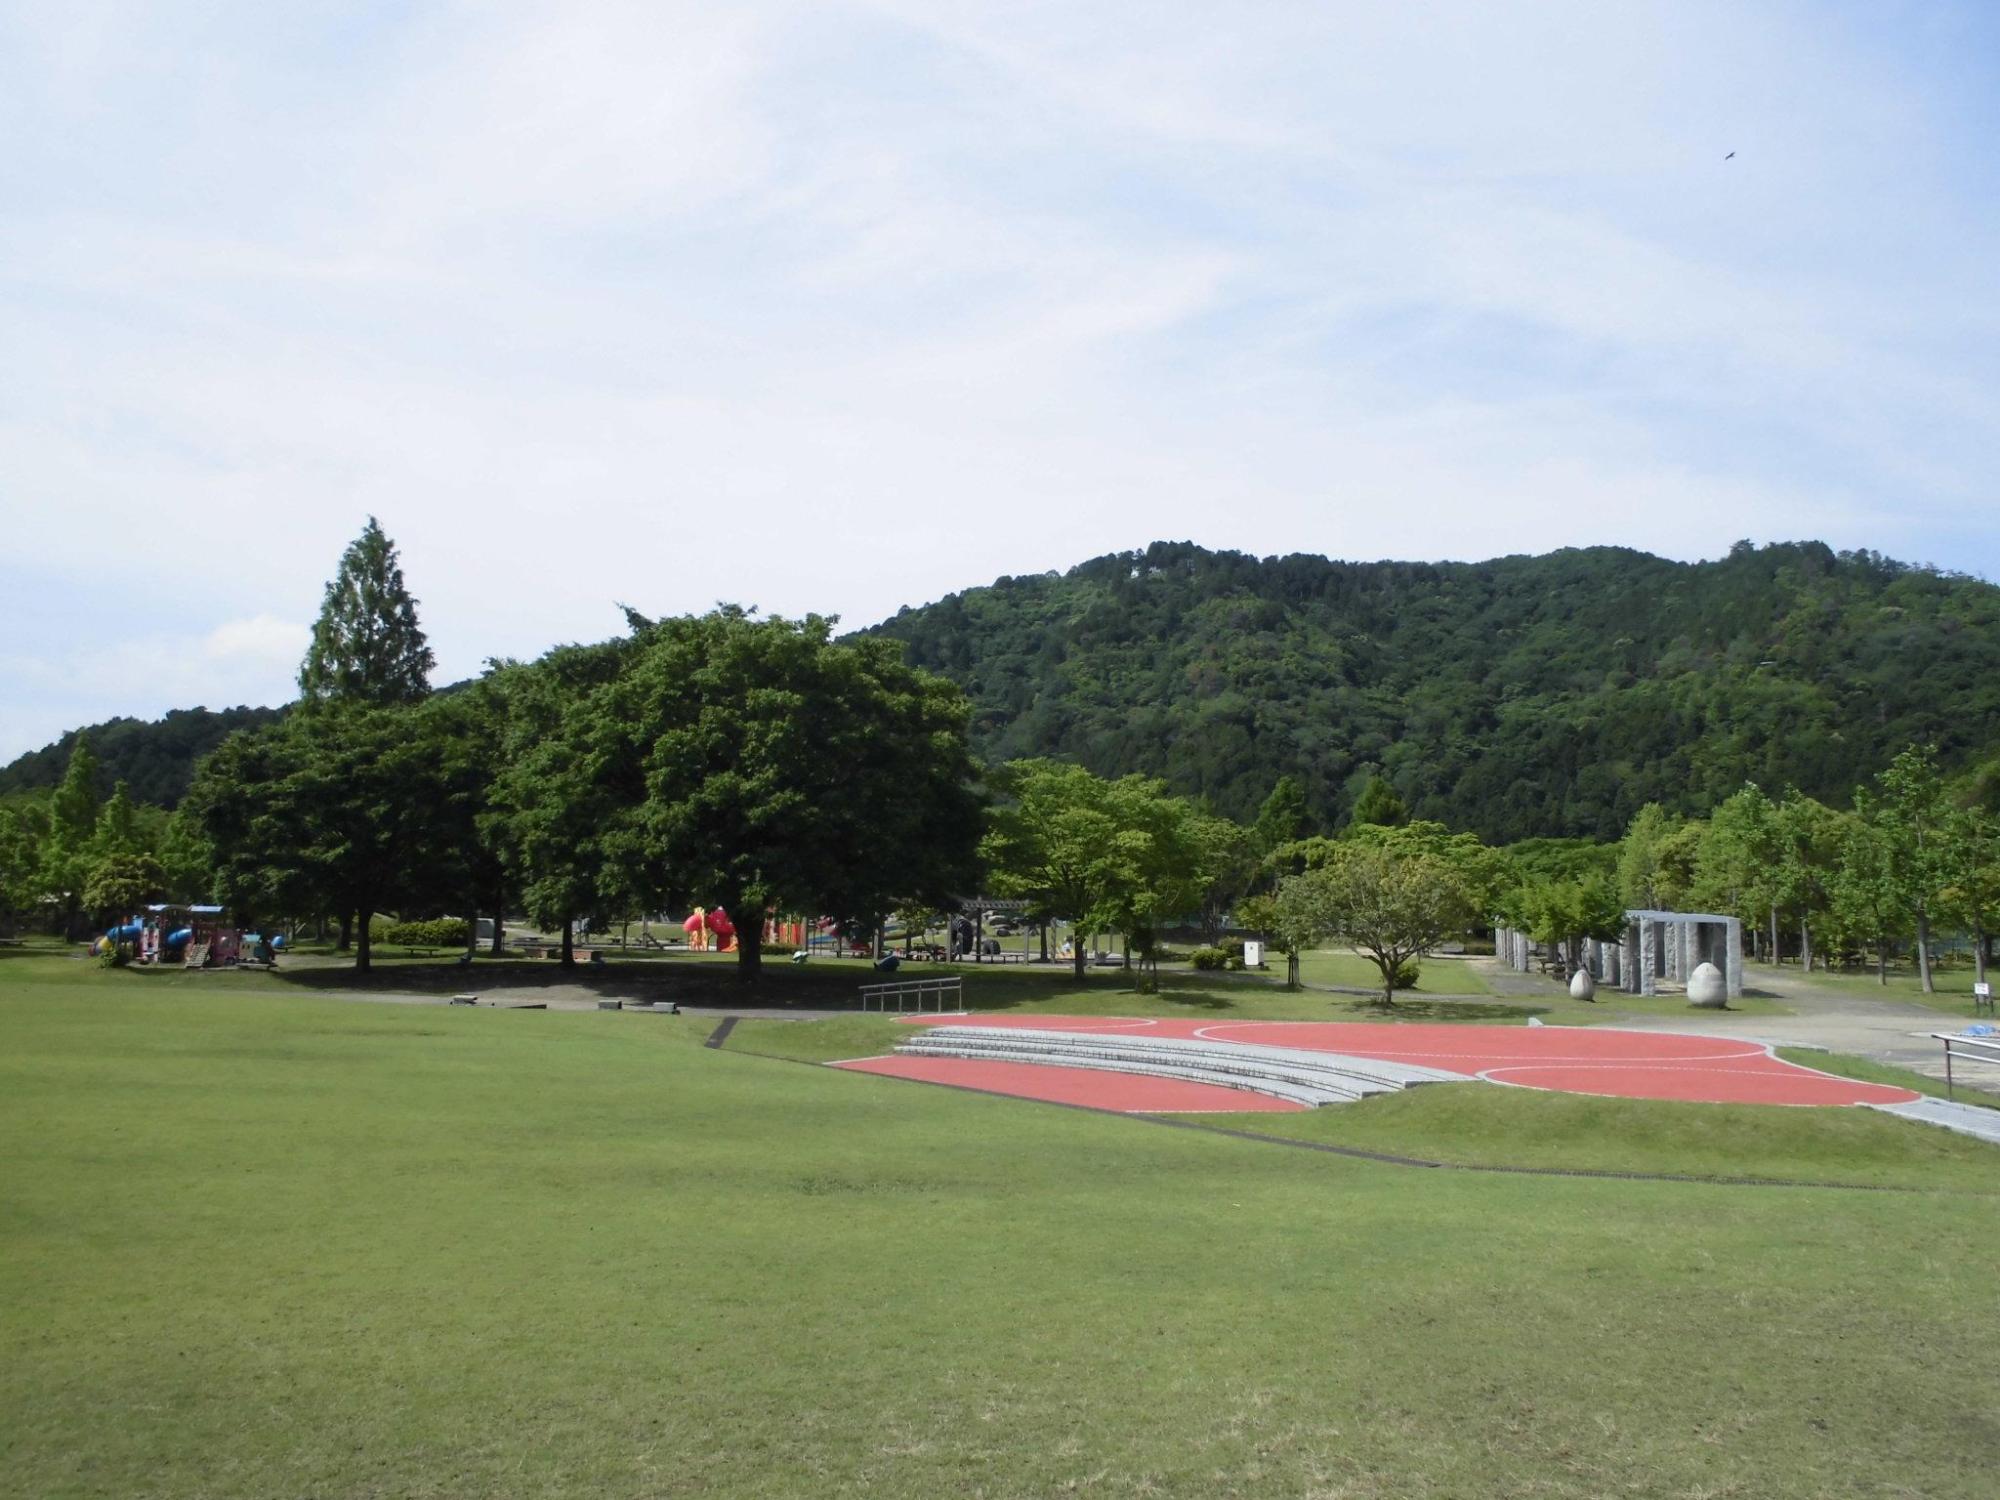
[192, 936]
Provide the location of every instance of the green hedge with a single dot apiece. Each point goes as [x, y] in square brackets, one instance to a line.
[441, 932]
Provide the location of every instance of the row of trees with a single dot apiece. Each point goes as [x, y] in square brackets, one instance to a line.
[751, 764]
[760, 764]
[74, 856]
[1914, 856]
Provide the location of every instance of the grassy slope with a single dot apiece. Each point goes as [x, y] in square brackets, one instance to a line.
[1480, 1125]
[1870, 1071]
[308, 1247]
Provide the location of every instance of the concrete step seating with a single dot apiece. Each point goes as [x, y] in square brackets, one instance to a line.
[1309, 1078]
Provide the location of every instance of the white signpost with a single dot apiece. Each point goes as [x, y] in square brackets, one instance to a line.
[1253, 953]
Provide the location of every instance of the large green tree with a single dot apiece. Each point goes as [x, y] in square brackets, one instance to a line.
[1808, 835]
[1737, 863]
[1870, 905]
[351, 810]
[1970, 896]
[756, 764]
[1067, 842]
[563, 810]
[366, 645]
[21, 831]
[1914, 814]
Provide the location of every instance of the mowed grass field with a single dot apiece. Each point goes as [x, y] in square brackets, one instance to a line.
[265, 1242]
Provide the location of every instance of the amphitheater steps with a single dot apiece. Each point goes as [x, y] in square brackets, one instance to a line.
[1295, 1074]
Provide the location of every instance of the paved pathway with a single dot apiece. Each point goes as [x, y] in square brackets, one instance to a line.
[1887, 1029]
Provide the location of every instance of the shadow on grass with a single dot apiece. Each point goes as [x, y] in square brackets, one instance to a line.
[1435, 1010]
[699, 982]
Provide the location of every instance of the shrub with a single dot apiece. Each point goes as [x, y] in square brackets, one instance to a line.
[1211, 958]
[1405, 977]
[1232, 952]
[114, 955]
[440, 932]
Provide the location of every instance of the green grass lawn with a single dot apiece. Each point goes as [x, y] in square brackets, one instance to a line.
[1479, 1125]
[1343, 968]
[262, 1242]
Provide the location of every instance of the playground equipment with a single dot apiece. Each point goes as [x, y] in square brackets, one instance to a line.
[706, 924]
[190, 935]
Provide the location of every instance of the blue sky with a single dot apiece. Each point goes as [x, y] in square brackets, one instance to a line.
[841, 307]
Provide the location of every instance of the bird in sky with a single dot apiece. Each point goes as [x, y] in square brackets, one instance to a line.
[1726, 158]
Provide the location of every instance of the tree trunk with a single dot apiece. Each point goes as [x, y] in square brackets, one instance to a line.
[495, 949]
[1979, 942]
[361, 946]
[1076, 950]
[1805, 943]
[319, 928]
[569, 944]
[472, 933]
[1882, 960]
[1777, 953]
[749, 950]
[1292, 970]
[1924, 952]
[1043, 927]
[346, 932]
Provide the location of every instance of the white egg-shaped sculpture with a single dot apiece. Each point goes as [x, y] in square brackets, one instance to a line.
[1706, 989]
[1582, 986]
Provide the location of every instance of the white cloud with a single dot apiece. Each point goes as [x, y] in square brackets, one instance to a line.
[260, 640]
[841, 308]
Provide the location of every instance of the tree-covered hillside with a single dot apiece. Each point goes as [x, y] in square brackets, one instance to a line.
[1526, 696]
[154, 758]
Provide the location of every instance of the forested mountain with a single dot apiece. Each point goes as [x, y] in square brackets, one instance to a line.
[1521, 697]
[154, 758]
[1518, 698]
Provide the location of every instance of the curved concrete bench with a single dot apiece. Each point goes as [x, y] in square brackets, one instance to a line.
[1303, 1076]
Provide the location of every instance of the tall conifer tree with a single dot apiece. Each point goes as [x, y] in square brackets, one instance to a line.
[366, 645]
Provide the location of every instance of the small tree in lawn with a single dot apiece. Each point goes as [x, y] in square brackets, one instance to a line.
[1390, 906]
[1298, 918]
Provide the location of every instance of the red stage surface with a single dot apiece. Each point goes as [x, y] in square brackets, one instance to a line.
[1568, 1059]
[1128, 1093]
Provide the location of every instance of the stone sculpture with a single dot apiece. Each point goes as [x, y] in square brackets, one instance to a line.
[1706, 987]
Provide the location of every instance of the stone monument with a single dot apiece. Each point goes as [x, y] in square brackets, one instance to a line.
[1707, 988]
